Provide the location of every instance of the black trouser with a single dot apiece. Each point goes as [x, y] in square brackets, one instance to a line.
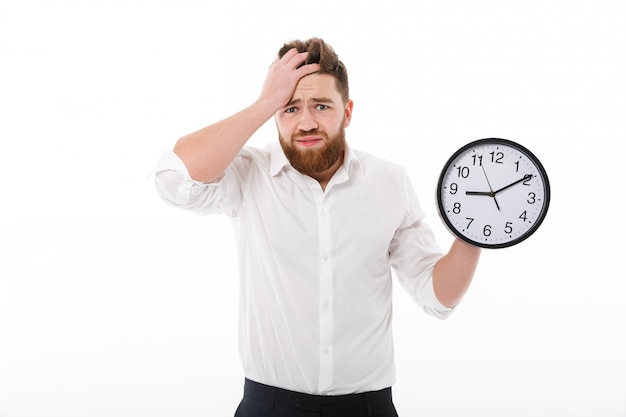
[265, 401]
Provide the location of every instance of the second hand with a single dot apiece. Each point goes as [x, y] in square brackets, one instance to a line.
[492, 194]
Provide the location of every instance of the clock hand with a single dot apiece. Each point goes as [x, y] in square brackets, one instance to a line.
[485, 172]
[487, 193]
[524, 178]
[492, 194]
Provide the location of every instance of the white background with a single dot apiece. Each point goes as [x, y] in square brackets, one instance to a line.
[113, 304]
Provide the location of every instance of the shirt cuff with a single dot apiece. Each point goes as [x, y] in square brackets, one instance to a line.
[169, 161]
[431, 303]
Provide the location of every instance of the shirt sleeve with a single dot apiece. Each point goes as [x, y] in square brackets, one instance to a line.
[413, 255]
[177, 189]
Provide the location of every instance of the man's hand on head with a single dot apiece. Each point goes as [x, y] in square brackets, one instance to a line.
[283, 76]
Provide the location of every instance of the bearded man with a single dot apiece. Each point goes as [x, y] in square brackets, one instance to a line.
[320, 227]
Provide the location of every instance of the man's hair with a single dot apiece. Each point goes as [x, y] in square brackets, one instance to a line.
[322, 53]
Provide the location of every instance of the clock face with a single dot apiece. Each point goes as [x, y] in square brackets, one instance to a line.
[493, 193]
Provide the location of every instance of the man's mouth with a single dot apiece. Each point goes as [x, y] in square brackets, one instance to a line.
[309, 141]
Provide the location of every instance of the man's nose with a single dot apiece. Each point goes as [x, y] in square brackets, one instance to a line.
[307, 121]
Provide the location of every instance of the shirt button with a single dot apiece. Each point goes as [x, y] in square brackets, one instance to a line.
[298, 402]
[324, 257]
[326, 304]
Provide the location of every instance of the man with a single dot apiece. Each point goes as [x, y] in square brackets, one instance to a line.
[319, 228]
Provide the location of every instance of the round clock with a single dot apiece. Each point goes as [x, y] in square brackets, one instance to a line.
[493, 193]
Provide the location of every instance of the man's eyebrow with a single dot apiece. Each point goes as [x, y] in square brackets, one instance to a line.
[313, 99]
[322, 100]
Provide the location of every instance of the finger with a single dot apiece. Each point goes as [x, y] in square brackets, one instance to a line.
[308, 69]
[288, 56]
[285, 60]
[297, 59]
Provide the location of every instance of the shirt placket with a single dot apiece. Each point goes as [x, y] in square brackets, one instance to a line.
[326, 319]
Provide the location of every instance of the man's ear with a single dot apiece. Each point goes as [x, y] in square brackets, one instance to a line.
[348, 113]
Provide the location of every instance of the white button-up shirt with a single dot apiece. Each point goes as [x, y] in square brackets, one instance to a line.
[315, 266]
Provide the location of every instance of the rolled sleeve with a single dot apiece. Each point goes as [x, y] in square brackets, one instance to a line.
[430, 303]
[176, 188]
[414, 252]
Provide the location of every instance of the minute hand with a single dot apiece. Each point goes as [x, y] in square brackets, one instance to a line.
[487, 193]
[524, 178]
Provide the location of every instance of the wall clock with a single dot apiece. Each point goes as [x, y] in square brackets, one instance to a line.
[493, 193]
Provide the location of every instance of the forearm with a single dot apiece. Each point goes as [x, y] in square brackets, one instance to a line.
[209, 151]
[453, 273]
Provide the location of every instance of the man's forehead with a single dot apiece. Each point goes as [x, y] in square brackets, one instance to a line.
[318, 85]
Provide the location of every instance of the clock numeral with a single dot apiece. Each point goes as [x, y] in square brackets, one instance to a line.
[470, 222]
[456, 209]
[527, 181]
[477, 158]
[516, 166]
[487, 230]
[463, 172]
[497, 157]
[524, 216]
[454, 188]
[508, 228]
[532, 198]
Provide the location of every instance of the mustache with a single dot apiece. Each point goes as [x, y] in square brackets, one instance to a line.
[314, 132]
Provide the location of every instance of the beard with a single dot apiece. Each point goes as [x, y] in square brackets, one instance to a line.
[313, 161]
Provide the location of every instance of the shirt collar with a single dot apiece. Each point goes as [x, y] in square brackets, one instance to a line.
[280, 161]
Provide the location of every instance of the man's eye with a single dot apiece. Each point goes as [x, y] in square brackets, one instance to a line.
[322, 107]
[291, 110]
